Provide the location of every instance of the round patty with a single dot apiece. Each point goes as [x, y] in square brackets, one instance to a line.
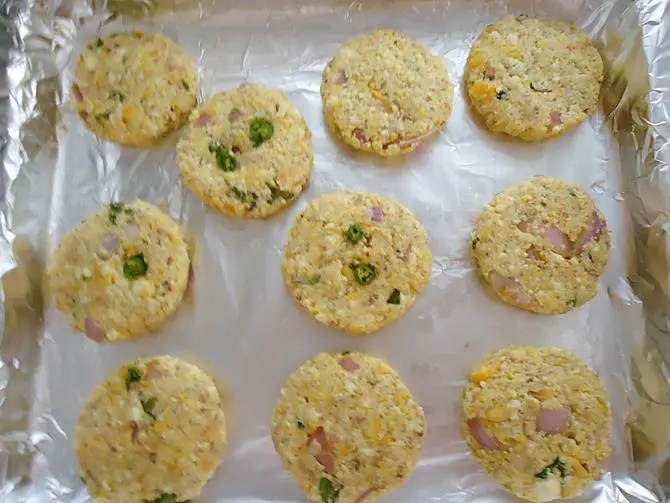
[356, 260]
[533, 78]
[154, 430]
[247, 151]
[346, 428]
[542, 245]
[134, 88]
[383, 92]
[538, 421]
[121, 272]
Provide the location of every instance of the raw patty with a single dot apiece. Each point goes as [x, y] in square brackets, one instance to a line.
[154, 428]
[538, 421]
[542, 245]
[134, 88]
[322, 262]
[95, 272]
[262, 179]
[383, 92]
[533, 78]
[346, 428]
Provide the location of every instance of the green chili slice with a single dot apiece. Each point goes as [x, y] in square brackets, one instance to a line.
[135, 267]
[260, 131]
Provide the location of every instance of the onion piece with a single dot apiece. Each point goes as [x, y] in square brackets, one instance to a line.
[596, 227]
[132, 231]
[77, 93]
[349, 364]
[482, 437]
[556, 118]
[359, 134]
[376, 214]
[499, 283]
[235, 115]
[94, 331]
[109, 243]
[367, 493]
[203, 119]
[342, 77]
[317, 445]
[553, 420]
[558, 240]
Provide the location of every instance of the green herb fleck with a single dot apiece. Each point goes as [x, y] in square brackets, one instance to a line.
[300, 424]
[572, 302]
[117, 95]
[277, 192]
[225, 160]
[148, 406]
[133, 375]
[354, 233]
[539, 88]
[572, 192]
[328, 491]
[98, 42]
[167, 498]
[345, 353]
[502, 95]
[249, 198]
[185, 85]
[357, 464]
[103, 116]
[556, 466]
[313, 279]
[135, 267]
[82, 480]
[260, 130]
[364, 274]
[394, 298]
[114, 210]
[475, 240]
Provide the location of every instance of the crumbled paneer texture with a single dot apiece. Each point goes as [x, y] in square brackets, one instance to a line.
[533, 78]
[385, 93]
[246, 151]
[542, 245]
[134, 88]
[356, 260]
[346, 428]
[538, 421]
[154, 430]
[121, 272]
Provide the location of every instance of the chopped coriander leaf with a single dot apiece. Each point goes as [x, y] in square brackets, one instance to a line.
[313, 279]
[185, 85]
[225, 160]
[98, 42]
[114, 210]
[572, 192]
[345, 353]
[328, 491]
[354, 233]
[148, 406]
[572, 302]
[167, 498]
[248, 198]
[556, 466]
[300, 424]
[260, 130]
[135, 267]
[475, 240]
[277, 192]
[103, 116]
[82, 480]
[133, 375]
[502, 95]
[364, 274]
[539, 88]
[117, 95]
[394, 298]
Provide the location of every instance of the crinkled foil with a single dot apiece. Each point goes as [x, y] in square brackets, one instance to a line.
[240, 323]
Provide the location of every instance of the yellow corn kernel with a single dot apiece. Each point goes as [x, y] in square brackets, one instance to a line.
[380, 98]
[160, 426]
[481, 374]
[546, 394]
[482, 89]
[541, 44]
[513, 52]
[128, 113]
[476, 60]
[497, 414]
[521, 439]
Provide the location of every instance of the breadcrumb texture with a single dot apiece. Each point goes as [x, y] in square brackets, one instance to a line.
[533, 78]
[134, 88]
[542, 245]
[321, 261]
[383, 92]
[266, 177]
[87, 276]
[349, 419]
[507, 394]
[159, 430]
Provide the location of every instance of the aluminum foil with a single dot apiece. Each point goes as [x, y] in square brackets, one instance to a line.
[239, 321]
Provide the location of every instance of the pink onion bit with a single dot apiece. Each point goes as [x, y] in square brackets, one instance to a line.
[596, 227]
[321, 451]
[135, 432]
[363, 496]
[342, 77]
[359, 134]
[553, 420]
[235, 115]
[499, 282]
[77, 93]
[131, 231]
[94, 331]
[490, 73]
[556, 118]
[558, 240]
[348, 364]
[203, 119]
[482, 437]
[533, 253]
[109, 244]
[376, 214]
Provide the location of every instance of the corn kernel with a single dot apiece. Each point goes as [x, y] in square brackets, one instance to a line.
[482, 89]
[481, 374]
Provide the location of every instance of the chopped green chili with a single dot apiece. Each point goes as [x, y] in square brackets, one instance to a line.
[135, 267]
[394, 298]
[313, 279]
[148, 406]
[260, 130]
[225, 160]
[185, 85]
[556, 466]
[248, 198]
[328, 491]
[133, 375]
[364, 274]
[354, 233]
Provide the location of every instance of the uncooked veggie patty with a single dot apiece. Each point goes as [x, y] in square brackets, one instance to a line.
[356, 260]
[542, 245]
[384, 92]
[538, 421]
[134, 88]
[533, 78]
[121, 272]
[346, 428]
[152, 431]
